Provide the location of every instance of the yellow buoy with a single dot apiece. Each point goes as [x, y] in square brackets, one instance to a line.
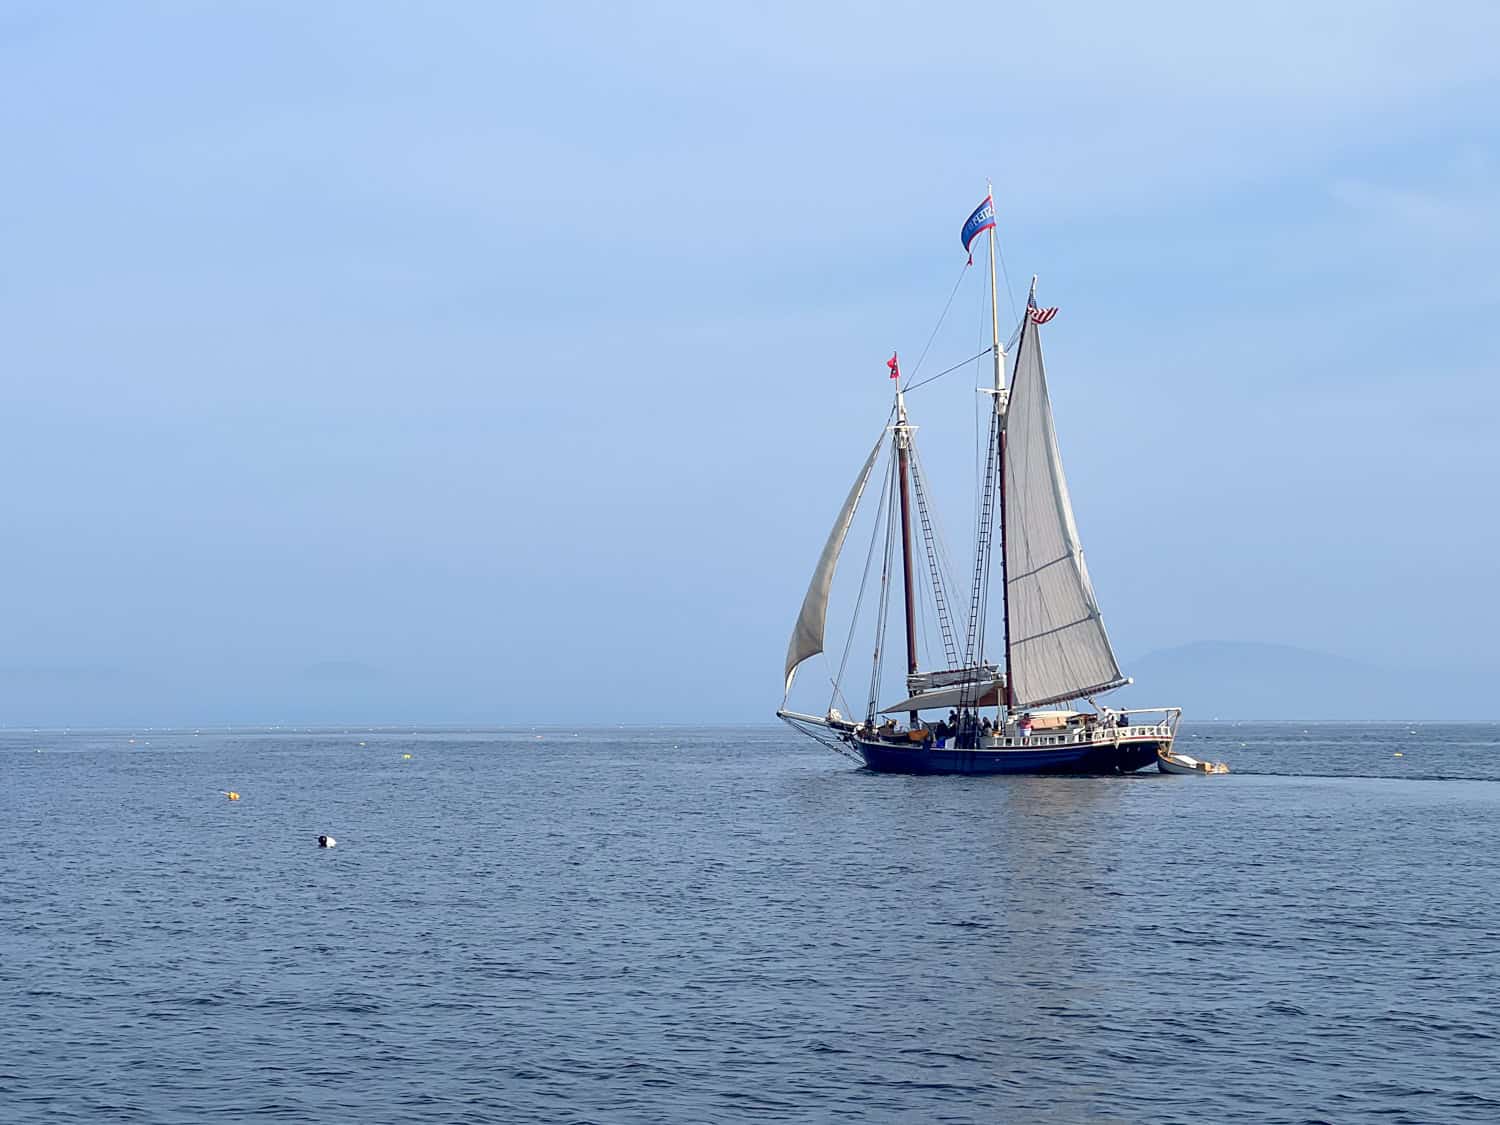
[406, 757]
[1398, 754]
[231, 794]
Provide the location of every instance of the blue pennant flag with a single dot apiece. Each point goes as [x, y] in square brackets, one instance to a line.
[981, 220]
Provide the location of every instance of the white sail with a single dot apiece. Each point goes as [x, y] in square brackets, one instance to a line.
[807, 634]
[988, 692]
[1058, 647]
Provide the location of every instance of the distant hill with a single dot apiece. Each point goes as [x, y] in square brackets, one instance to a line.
[1240, 680]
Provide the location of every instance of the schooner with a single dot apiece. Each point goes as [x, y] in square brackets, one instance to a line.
[1030, 708]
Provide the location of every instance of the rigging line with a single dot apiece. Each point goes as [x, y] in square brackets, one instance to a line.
[837, 696]
[923, 632]
[885, 594]
[941, 317]
[864, 581]
[945, 557]
[951, 588]
[838, 693]
[981, 408]
[1015, 336]
[1005, 273]
[943, 575]
[930, 545]
[947, 371]
[983, 542]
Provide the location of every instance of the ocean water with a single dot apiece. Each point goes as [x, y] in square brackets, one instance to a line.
[734, 925]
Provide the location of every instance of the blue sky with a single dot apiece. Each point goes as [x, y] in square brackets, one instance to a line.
[464, 362]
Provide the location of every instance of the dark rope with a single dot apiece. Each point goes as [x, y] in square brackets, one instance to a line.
[885, 594]
[863, 583]
[946, 371]
[942, 316]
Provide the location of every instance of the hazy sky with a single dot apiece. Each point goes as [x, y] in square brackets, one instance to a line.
[474, 361]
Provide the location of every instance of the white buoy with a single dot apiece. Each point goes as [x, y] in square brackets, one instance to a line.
[326, 841]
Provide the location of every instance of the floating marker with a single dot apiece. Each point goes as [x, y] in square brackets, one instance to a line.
[1398, 754]
[326, 841]
[230, 793]
[406, 757]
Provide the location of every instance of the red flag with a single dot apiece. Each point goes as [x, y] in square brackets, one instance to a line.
[894, 366]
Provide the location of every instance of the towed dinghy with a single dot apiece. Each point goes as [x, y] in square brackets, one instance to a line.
[1169, 761]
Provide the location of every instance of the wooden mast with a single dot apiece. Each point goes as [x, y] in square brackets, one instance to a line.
[999, 355]
[903, 458]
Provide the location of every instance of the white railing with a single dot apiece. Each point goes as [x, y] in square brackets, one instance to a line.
[838, 733]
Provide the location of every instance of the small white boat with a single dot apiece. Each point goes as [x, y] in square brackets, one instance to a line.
[1169, 762]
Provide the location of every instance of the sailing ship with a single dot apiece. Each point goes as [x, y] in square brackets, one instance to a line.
[1054, 654]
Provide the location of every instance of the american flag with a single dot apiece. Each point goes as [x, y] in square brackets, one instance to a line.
[1039, 316]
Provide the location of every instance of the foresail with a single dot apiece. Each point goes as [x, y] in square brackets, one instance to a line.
[807, 634]
[1058, 647]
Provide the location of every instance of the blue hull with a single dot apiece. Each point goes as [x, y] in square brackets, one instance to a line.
[889, 758]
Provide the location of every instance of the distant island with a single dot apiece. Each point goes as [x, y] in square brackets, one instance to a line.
[1208, 679]
[1242, 680]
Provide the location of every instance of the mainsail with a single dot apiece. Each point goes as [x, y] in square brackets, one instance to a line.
[1058, 647]
[807, 634]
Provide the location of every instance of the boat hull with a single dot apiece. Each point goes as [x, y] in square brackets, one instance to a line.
[1086, 758]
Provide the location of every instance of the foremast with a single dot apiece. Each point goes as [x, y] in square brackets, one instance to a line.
[902, 435]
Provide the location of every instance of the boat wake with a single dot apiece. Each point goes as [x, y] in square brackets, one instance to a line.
[1340, 776]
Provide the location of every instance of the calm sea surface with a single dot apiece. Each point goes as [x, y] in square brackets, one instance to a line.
[735, 925]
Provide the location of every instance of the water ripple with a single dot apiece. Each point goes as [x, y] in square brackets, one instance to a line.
[733, 926]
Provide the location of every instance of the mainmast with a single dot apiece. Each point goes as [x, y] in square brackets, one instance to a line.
[998, 353]
[903, 462]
